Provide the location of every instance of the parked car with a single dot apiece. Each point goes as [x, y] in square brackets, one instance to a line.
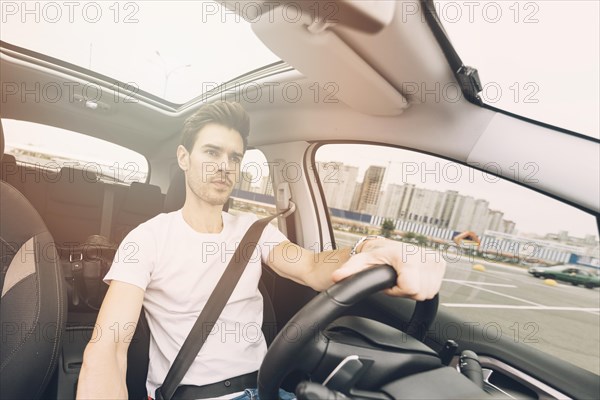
[568, 273]
[366, 112]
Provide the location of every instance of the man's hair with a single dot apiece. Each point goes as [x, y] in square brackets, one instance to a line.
[228, 114]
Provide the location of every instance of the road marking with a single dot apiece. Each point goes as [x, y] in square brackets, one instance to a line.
[508, 306]
[462, 282]
[502, 294]
[537, 306]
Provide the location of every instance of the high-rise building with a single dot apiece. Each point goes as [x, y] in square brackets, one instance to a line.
[448, 210]
[338, 182]
[470, 214]
[590, 240]
[507, 227]
[370, 188]
[462, 215]
[494, 222]
[563, 236]
[426, 206]
[450, 199]
[391, 200]
[355, 196]
[407, 196]
[480, 216]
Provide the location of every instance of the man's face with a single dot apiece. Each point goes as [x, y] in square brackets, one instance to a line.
[213, 166]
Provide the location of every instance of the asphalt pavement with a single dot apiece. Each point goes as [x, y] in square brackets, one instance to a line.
[562, 320]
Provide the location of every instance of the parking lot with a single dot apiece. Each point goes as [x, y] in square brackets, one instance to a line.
[509, 302]
[556, 319]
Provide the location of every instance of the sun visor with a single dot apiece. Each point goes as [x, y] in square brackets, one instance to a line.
[363, 15]
[309, 45]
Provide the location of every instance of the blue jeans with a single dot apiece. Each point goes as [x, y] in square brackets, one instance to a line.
[252, 394]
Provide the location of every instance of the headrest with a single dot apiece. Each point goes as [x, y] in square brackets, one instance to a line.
[175, 197]
[76, 186]
[9, 164]
[77, 176]
[142, 198]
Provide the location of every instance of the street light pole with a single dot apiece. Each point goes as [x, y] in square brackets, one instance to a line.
[169, 72]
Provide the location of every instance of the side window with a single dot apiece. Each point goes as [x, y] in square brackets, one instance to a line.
[512, 283]
[253, 192]
[48, 149]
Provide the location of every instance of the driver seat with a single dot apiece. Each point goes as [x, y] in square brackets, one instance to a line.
[138, 352]
[33, 301]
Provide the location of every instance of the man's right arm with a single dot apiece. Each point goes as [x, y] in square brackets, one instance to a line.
[104, 365]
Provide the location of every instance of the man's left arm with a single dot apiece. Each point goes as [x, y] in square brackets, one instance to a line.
[420, 271]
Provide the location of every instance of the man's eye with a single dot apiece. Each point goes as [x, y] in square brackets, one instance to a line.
[211, 152]
[236, 160]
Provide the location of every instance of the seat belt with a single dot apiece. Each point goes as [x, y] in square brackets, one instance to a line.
[213, 308]
[107, 211]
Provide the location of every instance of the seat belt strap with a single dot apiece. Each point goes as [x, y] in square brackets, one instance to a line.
[213, 308]
[107, 211]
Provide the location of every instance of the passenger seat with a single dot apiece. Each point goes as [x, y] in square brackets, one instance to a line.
[32, 181]
[32, 296]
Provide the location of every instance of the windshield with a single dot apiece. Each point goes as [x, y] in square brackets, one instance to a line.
[175, 50]
[531, 276]
[535, 59]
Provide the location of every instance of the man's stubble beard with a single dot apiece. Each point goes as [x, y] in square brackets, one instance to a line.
[203, 190]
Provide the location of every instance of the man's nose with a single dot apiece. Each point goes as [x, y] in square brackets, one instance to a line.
[226, 164]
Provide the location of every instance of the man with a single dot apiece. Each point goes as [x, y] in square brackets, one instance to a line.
[171, 263]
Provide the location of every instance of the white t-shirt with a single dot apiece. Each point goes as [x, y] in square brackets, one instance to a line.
[178, 268]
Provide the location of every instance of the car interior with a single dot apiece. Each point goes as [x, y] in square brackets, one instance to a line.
[61, 224]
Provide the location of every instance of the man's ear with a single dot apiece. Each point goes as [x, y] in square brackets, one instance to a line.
[183, 158]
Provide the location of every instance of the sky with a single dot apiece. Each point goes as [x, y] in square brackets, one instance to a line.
[196, 44]
[424, 171]
[542, 56]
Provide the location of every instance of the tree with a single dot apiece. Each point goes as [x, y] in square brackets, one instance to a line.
[409, 236]
[387, 227]
[421, 240]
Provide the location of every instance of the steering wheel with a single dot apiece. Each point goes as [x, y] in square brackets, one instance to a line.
[289, 349]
